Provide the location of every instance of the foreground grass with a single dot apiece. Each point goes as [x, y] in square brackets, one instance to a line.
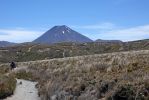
[7, 86]
[4, 69]
[112, 76]
[22, 74]
[7, 81]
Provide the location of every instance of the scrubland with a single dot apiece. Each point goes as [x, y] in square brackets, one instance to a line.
[110, 76]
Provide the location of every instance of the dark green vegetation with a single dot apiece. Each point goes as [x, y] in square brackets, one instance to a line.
[31, 52]
[7, 82]
[4, 69]
[22, 74]
[7, 86]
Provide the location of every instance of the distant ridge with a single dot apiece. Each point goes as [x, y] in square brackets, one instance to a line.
[59, 34]
[6, 44]
[109, 41]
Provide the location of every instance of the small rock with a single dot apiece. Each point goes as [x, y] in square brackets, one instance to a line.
[20, 82]
[54, 97]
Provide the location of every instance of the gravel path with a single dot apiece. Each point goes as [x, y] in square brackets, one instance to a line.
[25, 91]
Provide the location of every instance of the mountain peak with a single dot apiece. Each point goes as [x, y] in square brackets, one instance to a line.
[61, 29]
[61, 26]
[61, 33]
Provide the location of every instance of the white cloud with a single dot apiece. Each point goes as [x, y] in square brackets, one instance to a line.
[18, 35]
[128, 34]
[109, 31]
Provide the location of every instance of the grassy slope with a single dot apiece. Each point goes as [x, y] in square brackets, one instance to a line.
[117, 76]
[30, 52]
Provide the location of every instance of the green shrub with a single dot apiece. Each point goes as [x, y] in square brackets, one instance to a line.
[125, 92]
[7, 86]
[4, 69]
[22, 74]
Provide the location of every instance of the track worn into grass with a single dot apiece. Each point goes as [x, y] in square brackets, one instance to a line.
[25, 91]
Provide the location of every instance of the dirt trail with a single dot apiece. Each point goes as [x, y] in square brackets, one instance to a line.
[25, 91]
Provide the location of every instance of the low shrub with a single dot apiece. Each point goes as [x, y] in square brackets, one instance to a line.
[7, 86]
[23, 74]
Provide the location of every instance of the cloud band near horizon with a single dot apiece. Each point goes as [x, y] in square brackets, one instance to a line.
[107, 31]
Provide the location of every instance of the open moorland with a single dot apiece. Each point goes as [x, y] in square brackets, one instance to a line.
[109, 76]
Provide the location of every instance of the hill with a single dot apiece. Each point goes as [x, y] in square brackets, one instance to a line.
[110, 41]
[30, 51]
[60, 34]
[6, 44]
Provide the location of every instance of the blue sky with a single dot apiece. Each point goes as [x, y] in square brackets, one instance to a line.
[25, 20]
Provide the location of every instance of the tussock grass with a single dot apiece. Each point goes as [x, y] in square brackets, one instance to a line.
[7, 86]
[109, 76]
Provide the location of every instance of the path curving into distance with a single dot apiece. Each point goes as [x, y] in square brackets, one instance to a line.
[25, 91]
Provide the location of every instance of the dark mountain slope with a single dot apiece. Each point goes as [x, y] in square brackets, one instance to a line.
[60, 34]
